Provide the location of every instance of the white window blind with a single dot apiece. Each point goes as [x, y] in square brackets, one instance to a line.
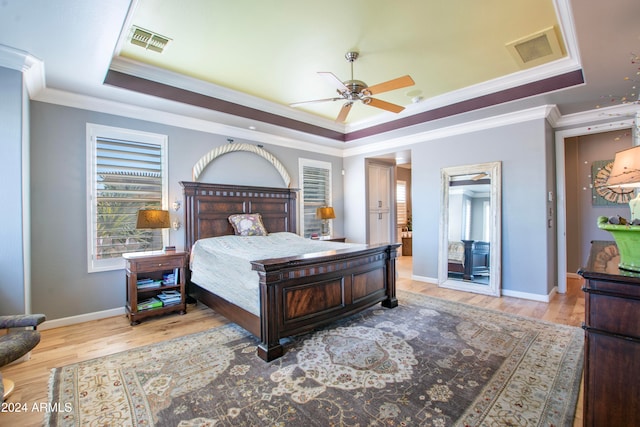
[316, 192]
[401, 203]
[126, 175]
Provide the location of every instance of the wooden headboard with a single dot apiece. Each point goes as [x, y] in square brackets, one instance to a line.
[207, 208]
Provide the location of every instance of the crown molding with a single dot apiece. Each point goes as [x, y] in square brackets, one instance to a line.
[73, 100]
[537, 113]
[607, 114]
[31, 67]
[14, 59]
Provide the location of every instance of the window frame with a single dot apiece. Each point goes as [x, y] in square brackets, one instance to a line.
[302, 162]
[93, 132]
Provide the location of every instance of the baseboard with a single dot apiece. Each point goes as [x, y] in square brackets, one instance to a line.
[433, 280]
[66, 321]
[505, 292]
[526, 295]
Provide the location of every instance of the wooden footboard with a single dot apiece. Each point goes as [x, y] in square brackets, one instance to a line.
[303, 293]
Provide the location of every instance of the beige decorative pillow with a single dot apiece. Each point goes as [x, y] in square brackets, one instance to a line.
[248, 224]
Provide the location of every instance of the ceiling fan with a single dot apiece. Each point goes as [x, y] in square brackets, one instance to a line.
[357, 90]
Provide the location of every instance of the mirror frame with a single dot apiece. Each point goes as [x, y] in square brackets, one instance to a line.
[495, 235]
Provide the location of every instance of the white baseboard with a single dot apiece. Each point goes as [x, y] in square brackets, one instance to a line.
[505, 292]
[66, 321]
[433, 280]
[526, 295]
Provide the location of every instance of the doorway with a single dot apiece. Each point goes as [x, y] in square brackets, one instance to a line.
[576, 209]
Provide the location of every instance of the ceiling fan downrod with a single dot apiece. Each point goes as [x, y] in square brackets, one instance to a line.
[355, 87]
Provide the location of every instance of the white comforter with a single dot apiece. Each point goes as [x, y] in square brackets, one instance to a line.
[222, 264]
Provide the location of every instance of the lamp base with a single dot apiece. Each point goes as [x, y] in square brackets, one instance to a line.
[325, 228]
[627, 239]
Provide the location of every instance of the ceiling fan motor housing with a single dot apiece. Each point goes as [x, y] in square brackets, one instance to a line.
[355, 89]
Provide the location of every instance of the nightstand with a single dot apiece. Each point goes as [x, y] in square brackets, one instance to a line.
[155, 284]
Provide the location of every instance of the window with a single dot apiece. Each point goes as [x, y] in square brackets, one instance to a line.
[316, 192]
[486, 208]
[401, 203]
[126, 172]
[466, 219]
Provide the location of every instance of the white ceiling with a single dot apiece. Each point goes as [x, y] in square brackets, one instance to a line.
[265, 54]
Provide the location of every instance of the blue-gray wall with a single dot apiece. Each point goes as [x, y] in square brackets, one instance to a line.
[62, 287]
[12, 279]
[528, 244]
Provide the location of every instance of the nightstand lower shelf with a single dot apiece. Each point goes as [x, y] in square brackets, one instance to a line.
[138, 315]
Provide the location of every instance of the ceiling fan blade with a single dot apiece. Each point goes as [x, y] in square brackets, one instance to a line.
[333, 81]
[344, 111]
[315, 101]
[384, 105]
[398, 83]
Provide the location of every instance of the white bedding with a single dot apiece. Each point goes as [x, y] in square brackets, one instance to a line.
[456, 252]
[222, 264]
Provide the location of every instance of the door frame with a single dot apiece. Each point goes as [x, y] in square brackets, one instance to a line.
[561, 204]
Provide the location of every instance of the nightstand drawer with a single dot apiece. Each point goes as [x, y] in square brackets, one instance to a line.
[157, 264]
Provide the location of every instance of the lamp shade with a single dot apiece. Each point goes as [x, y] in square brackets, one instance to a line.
[325, 213]
[153, 218]
[626, 169]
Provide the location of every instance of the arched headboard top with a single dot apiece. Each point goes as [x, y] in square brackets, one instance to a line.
[233, 147]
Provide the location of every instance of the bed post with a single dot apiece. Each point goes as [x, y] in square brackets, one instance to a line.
[392, 254]
[269, 348]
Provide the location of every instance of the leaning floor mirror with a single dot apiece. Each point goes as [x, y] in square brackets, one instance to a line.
[470, 224]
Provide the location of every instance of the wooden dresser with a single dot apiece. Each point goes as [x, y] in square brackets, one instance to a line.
[612, 344]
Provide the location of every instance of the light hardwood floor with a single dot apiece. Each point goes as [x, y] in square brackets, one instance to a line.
[62, 346]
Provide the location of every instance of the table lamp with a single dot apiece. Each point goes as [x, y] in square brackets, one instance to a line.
[625, 173]
[154, 219]
[325, 214]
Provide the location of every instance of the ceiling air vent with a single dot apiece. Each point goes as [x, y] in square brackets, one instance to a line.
[536, 49]
[148, 39]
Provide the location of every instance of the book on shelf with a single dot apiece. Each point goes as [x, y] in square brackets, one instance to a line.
[169, 297]
[149, 285]
[150, 303]
[171, 278]
[168, 279]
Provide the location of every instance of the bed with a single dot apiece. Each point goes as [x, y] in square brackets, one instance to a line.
[296, 293]
[468, 258]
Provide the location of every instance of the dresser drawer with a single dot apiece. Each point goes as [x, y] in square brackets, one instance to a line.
[613, 314]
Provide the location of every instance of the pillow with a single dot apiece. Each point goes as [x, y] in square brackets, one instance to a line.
[248, 224]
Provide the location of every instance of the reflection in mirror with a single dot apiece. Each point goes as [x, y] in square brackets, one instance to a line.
[470, 228]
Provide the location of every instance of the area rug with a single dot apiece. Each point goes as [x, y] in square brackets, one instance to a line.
[427, 362]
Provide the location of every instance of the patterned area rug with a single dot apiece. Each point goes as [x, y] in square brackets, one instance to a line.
[428, 362]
